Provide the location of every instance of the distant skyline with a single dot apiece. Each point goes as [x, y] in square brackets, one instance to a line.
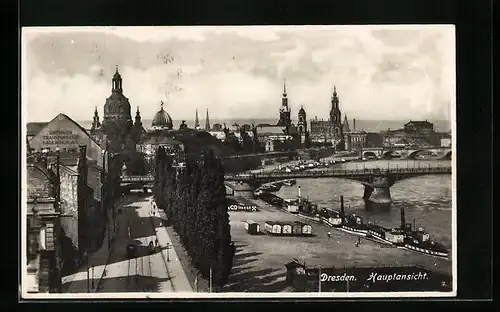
[381, 72]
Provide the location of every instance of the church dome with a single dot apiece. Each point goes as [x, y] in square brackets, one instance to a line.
[162, 119]
[117, 104]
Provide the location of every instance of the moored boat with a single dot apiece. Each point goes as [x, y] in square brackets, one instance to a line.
[352, 223]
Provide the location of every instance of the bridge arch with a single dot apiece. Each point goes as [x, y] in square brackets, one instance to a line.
[369, 154]
[391, 154]
[413, 154]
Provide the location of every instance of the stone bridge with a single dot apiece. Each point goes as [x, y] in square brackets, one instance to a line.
[385, 152]
[377, 182]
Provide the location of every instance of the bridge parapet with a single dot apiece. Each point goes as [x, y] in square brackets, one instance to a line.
[357, 174]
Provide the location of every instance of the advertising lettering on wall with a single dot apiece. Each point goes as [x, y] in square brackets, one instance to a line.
[60, 137]
[240, 207]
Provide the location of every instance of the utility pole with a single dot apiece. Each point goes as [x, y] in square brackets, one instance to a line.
[210, 282]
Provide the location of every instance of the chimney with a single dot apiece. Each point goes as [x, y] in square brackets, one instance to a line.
[342, 213]
[354, 124]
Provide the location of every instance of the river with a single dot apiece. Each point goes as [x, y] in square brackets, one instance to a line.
[426, 199]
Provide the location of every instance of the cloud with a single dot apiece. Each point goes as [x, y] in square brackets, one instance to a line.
[238, 72]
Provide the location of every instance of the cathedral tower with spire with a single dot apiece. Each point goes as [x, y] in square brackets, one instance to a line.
[207, 122]
[138, 130]
[285, 118]
[346, 127]
[196, 121]
[336, 121]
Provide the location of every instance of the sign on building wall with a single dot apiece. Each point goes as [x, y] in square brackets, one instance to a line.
[60, 137]
[64, 133]
[61, 132]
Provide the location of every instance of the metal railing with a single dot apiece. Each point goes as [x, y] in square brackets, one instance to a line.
[337, 173]
[312, 174]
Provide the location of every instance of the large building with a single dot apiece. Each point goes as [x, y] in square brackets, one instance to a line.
[284, 135]
[413, 134]
[82, 166]
[331, 130]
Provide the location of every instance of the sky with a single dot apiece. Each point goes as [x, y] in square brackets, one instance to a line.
[380, 72]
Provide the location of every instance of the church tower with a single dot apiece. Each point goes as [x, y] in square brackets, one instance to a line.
[336, 120]
[96, 131]
[346, 127]
[207, 122]
[302, 128]
[138, 121]
[137, 133]
[302, 123]
[117, 121]
[285, 119]
[96, 124]
[196, 121]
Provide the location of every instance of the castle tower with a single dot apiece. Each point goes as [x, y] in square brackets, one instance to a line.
[117, 121]
[207, 122]
[285, 118]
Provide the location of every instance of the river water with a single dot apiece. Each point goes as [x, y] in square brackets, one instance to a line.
[426, 199]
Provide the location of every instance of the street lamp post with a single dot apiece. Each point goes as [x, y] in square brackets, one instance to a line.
[88, 272]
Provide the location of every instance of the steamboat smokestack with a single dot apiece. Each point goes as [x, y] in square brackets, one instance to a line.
[342, 213]
[299, 191]
[403, 221]
[354, 124]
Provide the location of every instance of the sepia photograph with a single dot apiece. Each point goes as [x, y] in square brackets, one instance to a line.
[238, 162]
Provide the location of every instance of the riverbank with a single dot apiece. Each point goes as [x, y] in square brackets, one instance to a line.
[260, 260]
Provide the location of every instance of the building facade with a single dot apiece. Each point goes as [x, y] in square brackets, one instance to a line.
[413, 134]
[43, 226]
[82, 191]
[355, 140]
